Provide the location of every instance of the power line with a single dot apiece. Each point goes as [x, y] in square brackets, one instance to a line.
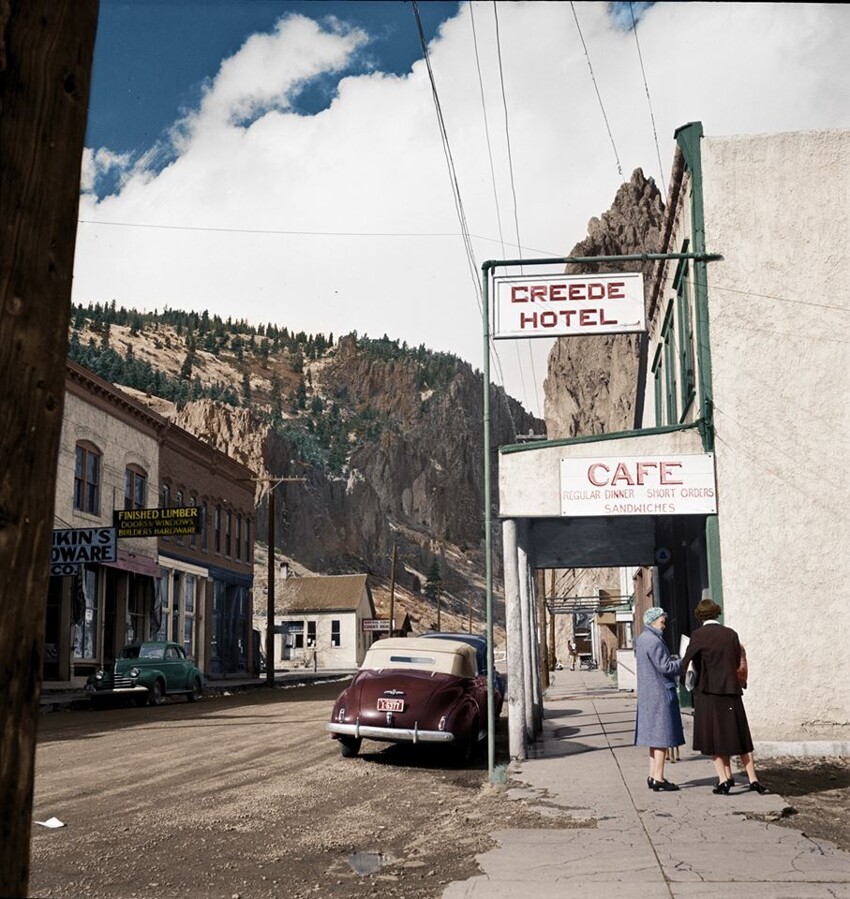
[513, 194]
[648, 99]
[598, 95]
[470, 255]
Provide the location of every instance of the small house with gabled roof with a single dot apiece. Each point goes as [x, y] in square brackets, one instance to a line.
[319, 621]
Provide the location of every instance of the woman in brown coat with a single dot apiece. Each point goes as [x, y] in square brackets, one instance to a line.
[721, 729]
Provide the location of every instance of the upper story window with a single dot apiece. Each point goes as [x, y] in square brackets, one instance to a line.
[204, 528]
[193, 538]
[685, 323]
[87, 468]
[238, 542]
[217, 529]
[227, 527]
[178, 504]
[165, 496]
[247, 540]
[135, 487]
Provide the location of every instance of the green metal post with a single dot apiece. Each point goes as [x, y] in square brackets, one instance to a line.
[488, 505]
[688, 137]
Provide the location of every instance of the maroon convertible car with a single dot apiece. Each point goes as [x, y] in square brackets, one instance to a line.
[413, 690]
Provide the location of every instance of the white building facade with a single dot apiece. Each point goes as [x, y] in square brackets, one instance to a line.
[742, 430]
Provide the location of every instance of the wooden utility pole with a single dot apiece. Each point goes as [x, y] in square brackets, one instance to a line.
[270, 594]
[45, 70]
[392, 587]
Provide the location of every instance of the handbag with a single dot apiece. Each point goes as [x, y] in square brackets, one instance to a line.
[690, 678]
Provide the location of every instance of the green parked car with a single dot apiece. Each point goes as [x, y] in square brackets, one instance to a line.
[148, 672]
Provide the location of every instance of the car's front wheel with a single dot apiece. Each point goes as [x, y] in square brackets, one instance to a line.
[349, 746]
[195, 693]
[156, 693]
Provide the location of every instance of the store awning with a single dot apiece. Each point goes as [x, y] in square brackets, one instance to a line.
[130, 561]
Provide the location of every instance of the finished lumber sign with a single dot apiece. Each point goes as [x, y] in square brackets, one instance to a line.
[568, 305]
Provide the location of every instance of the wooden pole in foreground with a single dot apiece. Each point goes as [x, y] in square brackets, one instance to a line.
[46, 51]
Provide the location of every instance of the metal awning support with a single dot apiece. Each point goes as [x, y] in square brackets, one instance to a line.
[516, 655]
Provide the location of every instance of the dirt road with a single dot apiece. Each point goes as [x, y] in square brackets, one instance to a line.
[247, 796]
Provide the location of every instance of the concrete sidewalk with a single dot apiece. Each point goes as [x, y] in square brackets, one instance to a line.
[639, 844]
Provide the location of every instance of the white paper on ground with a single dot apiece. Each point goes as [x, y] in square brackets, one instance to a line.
[51, 822]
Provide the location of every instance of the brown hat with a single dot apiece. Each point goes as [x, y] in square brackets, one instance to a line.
[707, 610]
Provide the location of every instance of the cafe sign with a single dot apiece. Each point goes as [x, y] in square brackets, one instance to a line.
[568, 305]
[671, 484]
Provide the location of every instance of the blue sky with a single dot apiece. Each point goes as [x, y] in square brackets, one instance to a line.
[152, 57]
[282, 161]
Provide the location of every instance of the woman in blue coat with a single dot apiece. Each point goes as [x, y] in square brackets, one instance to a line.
[659, 721]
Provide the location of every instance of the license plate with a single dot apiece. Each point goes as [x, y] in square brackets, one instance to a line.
[390, 705]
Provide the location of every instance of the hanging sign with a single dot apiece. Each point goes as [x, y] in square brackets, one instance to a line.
[639, 485]
[568, 305]
[73, 547]
[376, 624]
[157, 522]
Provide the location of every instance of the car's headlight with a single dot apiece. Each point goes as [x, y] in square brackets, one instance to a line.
[98, 675]
[134, 672]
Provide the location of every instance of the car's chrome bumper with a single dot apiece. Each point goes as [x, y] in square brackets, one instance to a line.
[108, 691]
[390, 734]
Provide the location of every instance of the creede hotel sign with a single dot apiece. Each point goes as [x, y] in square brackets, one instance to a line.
[568, 305]
[639, 485]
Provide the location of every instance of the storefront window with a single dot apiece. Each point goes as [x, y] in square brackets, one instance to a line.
[159, 612]
[135, 622]
[175, 607]
[85, 614]
[189, 585]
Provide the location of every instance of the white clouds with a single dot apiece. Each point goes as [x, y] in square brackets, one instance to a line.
[372, 163]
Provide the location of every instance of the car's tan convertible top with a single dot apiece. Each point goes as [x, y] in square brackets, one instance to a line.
[436, 656]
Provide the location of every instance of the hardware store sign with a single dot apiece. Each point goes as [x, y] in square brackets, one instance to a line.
[157, 522]
[568, 305]
[73, 547]
[639, 485]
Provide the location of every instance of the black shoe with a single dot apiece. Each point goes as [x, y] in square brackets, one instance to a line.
[722, 789]
[761, 789]
[649, 782]
[665, 786]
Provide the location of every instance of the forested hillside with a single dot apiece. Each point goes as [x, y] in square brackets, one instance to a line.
[387, 437]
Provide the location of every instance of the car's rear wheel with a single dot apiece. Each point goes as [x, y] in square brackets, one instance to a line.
[156, 693]
[349, 746]
[195, 693]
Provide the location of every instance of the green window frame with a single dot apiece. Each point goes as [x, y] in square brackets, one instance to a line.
[658, 372]
[668, 340]
[687, 373]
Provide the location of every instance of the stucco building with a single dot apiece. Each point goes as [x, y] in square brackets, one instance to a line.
[730, 482]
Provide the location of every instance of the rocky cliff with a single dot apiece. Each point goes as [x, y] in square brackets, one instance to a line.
[590, 382]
